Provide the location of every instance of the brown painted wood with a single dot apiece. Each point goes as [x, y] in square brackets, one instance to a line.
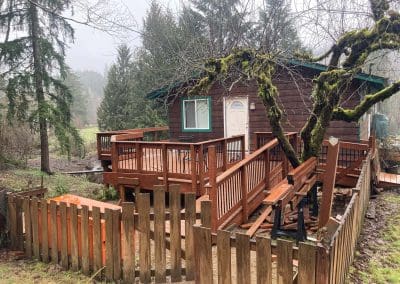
[224, 257]
[12, 220]
[212, 169]
[206, 213]
[117, 244]
[307, 264]
[109, 270]
[285, 261]
[35, 228]
[328, 183]
[85, 239]
[28, 227]
[20, 221]
[159, 234]
[128, 242]
[175, 234]
[97, 241]
[73, 212]
[264, 260]
[322, 275]
[243, 258]
[64, 235]
[54, 229]
[144, 237]
[190, 220]
[203, 255]
[44, 231]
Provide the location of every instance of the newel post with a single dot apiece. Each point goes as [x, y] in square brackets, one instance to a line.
[212, 168]
[165, 165]
[243, 146]
[114, 154]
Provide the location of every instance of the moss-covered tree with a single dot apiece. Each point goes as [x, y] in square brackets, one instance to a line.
[346, 59]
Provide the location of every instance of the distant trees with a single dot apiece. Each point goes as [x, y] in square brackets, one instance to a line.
[32, 52]
[174, 49]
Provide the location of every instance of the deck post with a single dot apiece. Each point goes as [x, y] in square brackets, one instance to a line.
[138, 149]
[165, 165]
[114, 156]
[224, 155]
[212, 168]
[201, 169]
[193, 170]
[243, 146]
[244, 194]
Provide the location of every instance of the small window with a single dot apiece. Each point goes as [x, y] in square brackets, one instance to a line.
[196, 115]
[237, 105]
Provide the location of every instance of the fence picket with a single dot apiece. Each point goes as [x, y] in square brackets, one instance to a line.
[224, 257]
[243, 258]
[54, 232]
[190, 220]
[144, 237]
[285, 261]
[28, 227]
[307, 256]
[12, 220]
[64, 235]
[203, 255]
[175, 234]
[159, 234]
[73, 212]
[20, 221]
[117, 243]
[97, 241]
[44, 231]
[85, 239]
[263, 260]
[128, 242]
[109, 272]
[35, 228]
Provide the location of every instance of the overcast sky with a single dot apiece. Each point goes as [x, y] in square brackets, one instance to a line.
[94, 50]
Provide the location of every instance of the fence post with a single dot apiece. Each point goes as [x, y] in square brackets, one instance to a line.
[212, 164]
[12, 220]
[203, 255]
[323, 266]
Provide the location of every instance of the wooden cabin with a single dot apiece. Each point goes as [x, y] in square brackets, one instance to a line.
[226, 111]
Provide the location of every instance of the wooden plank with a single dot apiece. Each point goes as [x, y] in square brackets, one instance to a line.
[64, 235]
[20, 224]
[285, 261]
[263, 260]
[206, 214]
[85, 239]
[144, 237]
[329, 182]
[190, 220]
[44, 229]
[12, 220]
[109, 271]
[73, 212]
[254, 227]
[307, 257]
[243, 258]
[224, 257]
[212, 172]
[54, 230]
[35, 228]
[28, 228]
[117, 244]
[97, 241]
[128, 242]
[175, 234]
[203, 255]
[159, 234]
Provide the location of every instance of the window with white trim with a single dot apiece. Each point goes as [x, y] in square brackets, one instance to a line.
[196, 114]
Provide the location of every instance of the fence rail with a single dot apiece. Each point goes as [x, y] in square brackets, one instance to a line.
[120, 244]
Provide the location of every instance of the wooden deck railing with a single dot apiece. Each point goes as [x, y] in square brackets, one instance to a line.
[175, 160]
[237, 192]
[104, 138]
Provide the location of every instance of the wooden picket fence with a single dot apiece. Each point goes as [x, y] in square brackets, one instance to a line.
[115, 244]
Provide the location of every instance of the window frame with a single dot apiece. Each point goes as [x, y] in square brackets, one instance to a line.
[183, 114]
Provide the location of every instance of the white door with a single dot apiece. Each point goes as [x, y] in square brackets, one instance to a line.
[237, 118]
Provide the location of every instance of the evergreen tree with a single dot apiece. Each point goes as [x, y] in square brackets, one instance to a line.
[32, 52]
[114, 111]
[79, 107]
[275, 31]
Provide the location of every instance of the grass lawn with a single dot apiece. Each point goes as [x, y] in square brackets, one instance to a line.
[88, 134]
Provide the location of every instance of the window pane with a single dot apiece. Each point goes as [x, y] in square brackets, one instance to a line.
[190, 118]
[202, 114]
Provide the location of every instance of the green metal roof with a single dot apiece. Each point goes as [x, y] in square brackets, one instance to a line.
[376, 81]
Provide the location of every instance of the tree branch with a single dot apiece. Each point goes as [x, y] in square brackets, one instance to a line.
[352, 115]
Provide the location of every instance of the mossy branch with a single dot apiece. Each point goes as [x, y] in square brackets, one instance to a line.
[352, 115]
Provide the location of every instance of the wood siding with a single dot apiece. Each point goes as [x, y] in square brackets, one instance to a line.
[294, 89]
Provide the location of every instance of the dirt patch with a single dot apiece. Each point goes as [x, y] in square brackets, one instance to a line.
[62, 164]
[376, 246]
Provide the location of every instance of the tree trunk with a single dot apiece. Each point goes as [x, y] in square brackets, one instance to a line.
[38, 76]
